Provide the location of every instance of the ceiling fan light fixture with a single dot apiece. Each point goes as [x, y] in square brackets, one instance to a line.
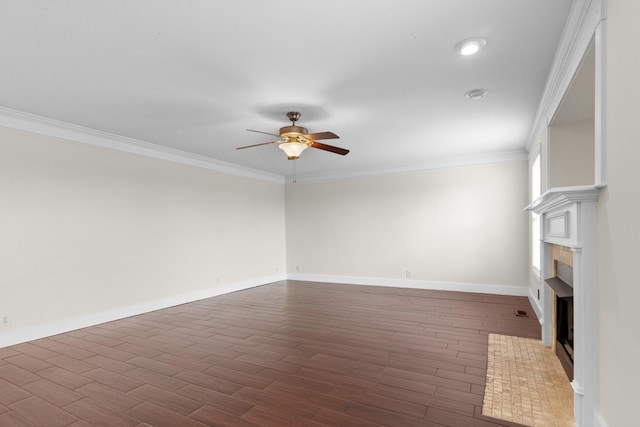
[294, 139]
[293, 149]
[470, 46]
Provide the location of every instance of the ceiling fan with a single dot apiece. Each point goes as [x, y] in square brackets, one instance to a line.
[295, 139]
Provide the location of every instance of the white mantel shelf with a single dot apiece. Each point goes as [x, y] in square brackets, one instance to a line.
[560, 196]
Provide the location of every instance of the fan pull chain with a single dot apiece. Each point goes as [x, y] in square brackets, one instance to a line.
[294, 180]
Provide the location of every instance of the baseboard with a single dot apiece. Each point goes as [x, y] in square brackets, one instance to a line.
[535, 303]
[11, 337]
[481, 288]
[599, 420]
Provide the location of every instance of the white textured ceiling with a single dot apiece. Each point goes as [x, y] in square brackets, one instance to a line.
[193, 75]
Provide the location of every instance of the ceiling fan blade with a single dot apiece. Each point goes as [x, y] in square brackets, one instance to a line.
[325, 147]
[257, 145]
[266, 133]
[322, 135]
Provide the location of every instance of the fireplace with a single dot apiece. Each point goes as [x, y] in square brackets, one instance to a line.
[562, 315]
[568, 236]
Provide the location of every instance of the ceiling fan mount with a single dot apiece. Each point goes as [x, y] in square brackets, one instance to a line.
[294, 116]
[295, 139]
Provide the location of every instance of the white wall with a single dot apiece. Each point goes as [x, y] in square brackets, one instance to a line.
[464, 225]
[572, 154]
[88, 233]
[619, 224]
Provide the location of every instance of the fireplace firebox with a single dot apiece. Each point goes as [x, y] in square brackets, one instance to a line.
[562, 323]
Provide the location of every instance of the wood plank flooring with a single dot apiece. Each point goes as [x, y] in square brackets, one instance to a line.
[287, 353]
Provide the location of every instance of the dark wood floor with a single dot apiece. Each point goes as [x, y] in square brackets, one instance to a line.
[288, 353]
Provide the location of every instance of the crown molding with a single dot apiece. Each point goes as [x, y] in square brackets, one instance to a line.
[18, 120]
[579, 31]
[460, 161]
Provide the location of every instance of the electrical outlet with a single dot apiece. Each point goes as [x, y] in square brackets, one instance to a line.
[408, 274]
[298, 268]
[4, 321]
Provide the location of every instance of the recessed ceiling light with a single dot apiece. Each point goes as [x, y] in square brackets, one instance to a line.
[476, 94]
[470, 46]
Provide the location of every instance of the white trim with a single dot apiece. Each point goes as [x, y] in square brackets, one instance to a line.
[535, 303]
[19, 120]
[470, 160]
[557, 225]
[583, 19]
[480, 288]
[535, 150]
[600, 122]
[10, 337]
[562, 196]
[599, 420]
[577, 388]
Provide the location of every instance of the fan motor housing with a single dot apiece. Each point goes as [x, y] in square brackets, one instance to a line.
[292, 131]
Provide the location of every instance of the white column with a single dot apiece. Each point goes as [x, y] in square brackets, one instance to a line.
[546, 292]
[578, 337]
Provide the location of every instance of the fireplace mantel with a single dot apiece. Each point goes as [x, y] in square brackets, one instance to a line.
[569, 219]
[561, 196]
